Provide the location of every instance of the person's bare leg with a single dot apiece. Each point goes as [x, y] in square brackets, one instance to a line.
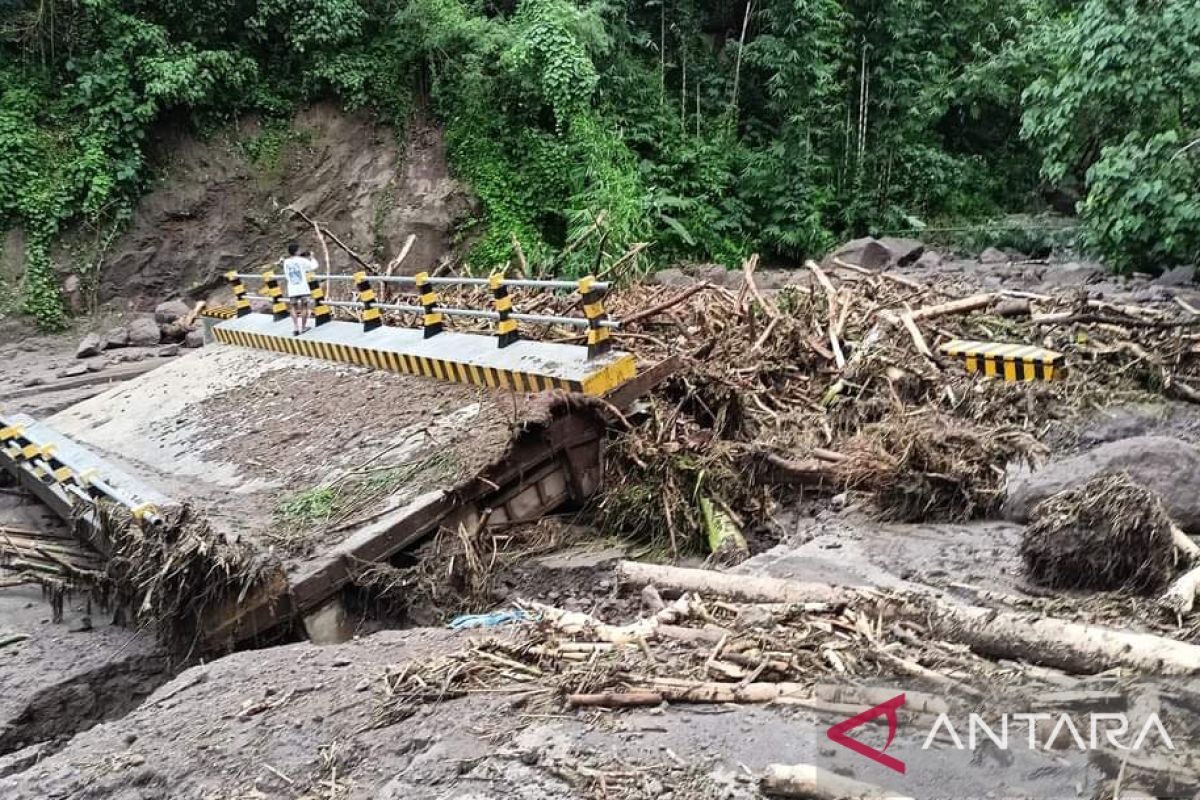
[305, 310]
[295, 317]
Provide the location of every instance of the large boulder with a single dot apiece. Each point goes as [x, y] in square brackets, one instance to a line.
[90, 346]
[1168, 466]
[117, 337]
[194, 339]
[673, 277]
[170, 311]
[878, 254]
[1179, 276]
[1065, 276]
[994, 256]
[144, 332]
[173, 332]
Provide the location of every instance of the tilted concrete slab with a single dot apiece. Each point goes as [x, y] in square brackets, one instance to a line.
[457, 357]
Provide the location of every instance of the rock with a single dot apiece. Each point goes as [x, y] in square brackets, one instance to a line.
[34, 381]
[94, 366]
[1012, 308]
[194, 339]
[90, 346]
[1124, 422]
[172, 332]
[878, 254]
[903, 251]
[1180, 276]
[1151, 294]
[1168, 466]
[170, 311]
[168, 351]
[143, 332]
[1064, 276]
[993, 256]
[117, 337]
[673, 277]
[930, 259]
[711, 273]
[71, 372]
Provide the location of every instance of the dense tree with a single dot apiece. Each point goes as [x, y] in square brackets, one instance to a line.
[711, 128]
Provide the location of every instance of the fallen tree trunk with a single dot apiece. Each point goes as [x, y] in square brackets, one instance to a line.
[739, 587]
[1071, 646]
[810, 781]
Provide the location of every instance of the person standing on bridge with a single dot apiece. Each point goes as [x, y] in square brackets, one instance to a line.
[296, 267]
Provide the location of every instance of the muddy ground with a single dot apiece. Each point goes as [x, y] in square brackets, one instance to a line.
[300, 721]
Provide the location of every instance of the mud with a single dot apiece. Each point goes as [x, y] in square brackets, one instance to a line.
[237, 432]
[69, 675]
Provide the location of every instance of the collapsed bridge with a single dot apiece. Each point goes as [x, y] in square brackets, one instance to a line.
[399, 432]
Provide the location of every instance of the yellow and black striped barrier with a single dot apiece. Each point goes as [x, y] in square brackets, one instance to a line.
[506, 326]
[431, 319]
[1012, 362]
[221, 312]
[366, 295]
[599, 381]
[598, 337]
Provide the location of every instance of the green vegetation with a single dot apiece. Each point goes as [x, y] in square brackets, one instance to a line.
[711, 129]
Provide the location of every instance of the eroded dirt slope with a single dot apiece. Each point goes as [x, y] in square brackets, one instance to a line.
[219, 203]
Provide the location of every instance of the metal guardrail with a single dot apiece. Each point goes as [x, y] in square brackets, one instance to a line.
[44, 461]
[591, 292]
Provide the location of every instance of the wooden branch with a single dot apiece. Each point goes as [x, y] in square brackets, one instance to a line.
[832, 301]
[612, 268]
[915, 332]
[522, 265]
[345, 247]
[395, 262]
[1180, 596]
[661, 307]
[740, 587]
[615, 699]
[748, 267]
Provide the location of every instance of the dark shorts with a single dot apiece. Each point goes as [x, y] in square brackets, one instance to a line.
[300, 302]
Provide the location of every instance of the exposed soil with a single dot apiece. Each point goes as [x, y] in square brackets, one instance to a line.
[215, 208]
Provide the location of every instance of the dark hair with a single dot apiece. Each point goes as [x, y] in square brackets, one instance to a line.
[292, 248]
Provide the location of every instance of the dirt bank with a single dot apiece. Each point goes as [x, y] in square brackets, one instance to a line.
[218, 201]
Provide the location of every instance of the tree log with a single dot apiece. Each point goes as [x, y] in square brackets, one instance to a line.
[812, 782]
[739, 587]
[1072, 646]
[615, 699]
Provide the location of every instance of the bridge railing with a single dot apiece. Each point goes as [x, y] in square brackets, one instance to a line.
[432, 313]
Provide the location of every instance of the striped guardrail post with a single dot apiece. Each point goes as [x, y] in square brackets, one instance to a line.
[506, 327]
[431, 321]
[598, 337]
[366, 295]
[321, 312]
[241, 305]
[272, 290]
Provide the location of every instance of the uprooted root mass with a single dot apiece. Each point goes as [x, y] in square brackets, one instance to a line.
[1109, 533]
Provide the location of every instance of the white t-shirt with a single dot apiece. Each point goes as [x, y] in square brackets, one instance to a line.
[295, 270]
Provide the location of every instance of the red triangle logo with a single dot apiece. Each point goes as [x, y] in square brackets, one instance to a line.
[889, 708]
